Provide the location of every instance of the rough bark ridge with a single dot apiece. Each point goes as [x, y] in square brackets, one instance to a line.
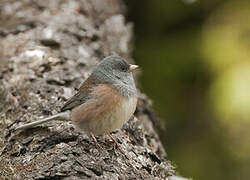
[47, 49]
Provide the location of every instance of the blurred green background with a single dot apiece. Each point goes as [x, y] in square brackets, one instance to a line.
[195, 58]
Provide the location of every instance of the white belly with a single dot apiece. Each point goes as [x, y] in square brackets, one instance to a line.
[122, 114]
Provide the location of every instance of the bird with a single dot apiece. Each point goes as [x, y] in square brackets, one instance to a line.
[105, 101]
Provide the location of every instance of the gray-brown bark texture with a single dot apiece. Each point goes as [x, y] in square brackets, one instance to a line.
[48, 47]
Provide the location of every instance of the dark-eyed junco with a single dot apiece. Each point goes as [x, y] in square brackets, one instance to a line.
[104, 102]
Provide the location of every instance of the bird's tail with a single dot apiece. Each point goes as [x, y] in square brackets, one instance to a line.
[60, 116]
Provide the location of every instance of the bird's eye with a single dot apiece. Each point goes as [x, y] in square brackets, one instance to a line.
[124, 69]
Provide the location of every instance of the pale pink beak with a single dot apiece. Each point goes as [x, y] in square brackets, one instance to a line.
[132, 67]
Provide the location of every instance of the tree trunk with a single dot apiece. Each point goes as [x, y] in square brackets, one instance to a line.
[48, 47]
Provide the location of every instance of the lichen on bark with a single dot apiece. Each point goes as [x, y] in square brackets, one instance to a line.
[48, 48]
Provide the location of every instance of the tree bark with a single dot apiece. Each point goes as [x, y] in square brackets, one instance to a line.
[48, 48]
